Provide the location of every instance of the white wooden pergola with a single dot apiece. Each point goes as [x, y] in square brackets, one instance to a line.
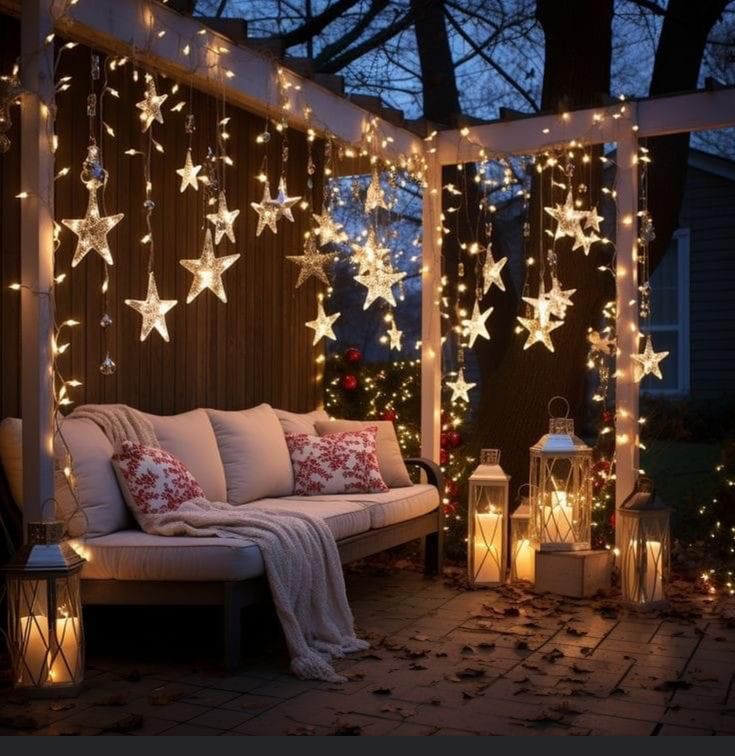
[134, 27]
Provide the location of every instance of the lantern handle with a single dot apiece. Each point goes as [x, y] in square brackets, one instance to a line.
[552, 400]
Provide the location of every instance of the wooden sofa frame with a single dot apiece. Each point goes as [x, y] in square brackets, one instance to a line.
[234, 596]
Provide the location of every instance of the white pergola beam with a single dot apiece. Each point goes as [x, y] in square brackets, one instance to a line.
[132, 29]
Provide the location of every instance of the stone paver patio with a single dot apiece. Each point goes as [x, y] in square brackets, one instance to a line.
[444, 662]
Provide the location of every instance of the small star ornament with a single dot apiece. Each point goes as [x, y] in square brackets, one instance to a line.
[379, 283]
[208, 271]
[328, 230]
[153, 310]
[584, 241]
[369, 255]
[592, 220]
[461, 388]
[189, 174]
[285, 203]
[491, 270]
[268, 212]
[375, 196]
[311, 263]
[395, 336]
[322, 325]
[223, 220]
[475, 326]
[559, 299]
[92, 230]
[647, 363]
[150, 105]
[567, 217]
[541, 325]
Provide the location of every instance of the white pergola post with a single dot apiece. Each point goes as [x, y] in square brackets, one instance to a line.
[431, 347]
[627, 460]
[37, 252]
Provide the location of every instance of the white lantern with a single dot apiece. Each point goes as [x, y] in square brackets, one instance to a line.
[561, 482]
[644, 547]
[522, 547]
[487, 517]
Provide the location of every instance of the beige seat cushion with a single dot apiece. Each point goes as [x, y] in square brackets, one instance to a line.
[390, 460]
[388, 508]
[190, 438]
[253, 452]
[294, 422]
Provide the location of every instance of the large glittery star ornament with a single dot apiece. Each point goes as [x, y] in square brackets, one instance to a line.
[584, 241]
[153, 310]
[491, 272]
[322, 325]
[328, 230]
[475, 326]
[592, 220]
[92, 230]
[285, 203]
[461, 388]
[311, 263]
[189, 173]
[369, 255]
[150, 106]
[208, 270]
[379, 283]
[559, 299]
[395, 336]
[647, 363]
[223, 220]
[541, 325]
[268, 211]
[567, 217]
[375, 196]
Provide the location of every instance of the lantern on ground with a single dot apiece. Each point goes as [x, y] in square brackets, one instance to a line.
[487, 516]
[45, 633]
[644, 546]
[561, 482]
[522, 549]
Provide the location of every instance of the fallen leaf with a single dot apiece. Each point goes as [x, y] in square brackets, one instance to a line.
[441, 654]
[673, 685]
[125, 724]
[115, 699]
[347, 729]
[301, 730]
[586, 650]
[469, 673]
[576, 633]
[61, 706]
[382, 691]
[521, 645]
[372, 655]
[403, 711]
[553, 655]
[416, 666]
[353, 676]
[435, 701]
[580, 670]
[467, 650]
[420, 637]
[486, 645]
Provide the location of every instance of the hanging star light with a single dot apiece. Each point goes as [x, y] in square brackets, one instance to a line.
[593, 220]
[601, 344]
[559, 299]
[208, 270]
[647, 363]
[541, 325]
[284, 202]
[223, 220]
[150, 106]
[311, 263]
[585, 241]
[153, 310]
[461, 388]
[189, 173]
[375, 196]
[475, 326]
[92, 230]
[371, 254]
[491, 272]
[379, 283]
[322, 325]
[394, 336]
[567, 217]
[329, 230]
[268, 212]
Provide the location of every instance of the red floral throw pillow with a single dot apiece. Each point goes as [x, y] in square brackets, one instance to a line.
[337, 463]
[152, 480]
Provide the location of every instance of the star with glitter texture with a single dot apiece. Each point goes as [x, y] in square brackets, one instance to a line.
[328, 230]
[322, 324]
[379, 283]
[375, 196]
[153, 310]
[647, 363]
[223, 220]
[189, 173]
[395, 336]
[584, 241]
[369, 255]
[311, 263]
[268, 212]
[491, 270]
[284, 202]
[567, 217]
[461, 388]
[559, 299]
[475, 326]
[208, 271]
[541, 325]
[592, 220]
[92, 230]
[150, 105]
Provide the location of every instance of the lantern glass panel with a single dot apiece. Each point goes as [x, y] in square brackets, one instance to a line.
[644, 556]
[523, 553]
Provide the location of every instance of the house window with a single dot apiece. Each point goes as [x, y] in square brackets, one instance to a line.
[669, 325]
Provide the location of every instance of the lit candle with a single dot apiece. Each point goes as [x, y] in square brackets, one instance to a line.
[524, 561]
[488, 547]
[34, 632]
[66, 660]
[558, 519]
[654, 572]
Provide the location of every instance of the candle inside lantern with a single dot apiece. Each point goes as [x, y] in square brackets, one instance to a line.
[488, 547]
[65, 661]
[654, 572]
[524, 560]
[34, 667]
[558, 519]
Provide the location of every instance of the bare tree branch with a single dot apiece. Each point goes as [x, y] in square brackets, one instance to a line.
[316, 24]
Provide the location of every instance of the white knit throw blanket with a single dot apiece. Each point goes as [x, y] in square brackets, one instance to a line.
[301, 559]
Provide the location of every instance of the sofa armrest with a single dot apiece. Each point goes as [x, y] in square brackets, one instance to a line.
[433, 472]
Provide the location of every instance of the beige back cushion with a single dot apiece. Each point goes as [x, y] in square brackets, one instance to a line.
[390, 459]
[254, 453]
[190, 438]
[294, 422]
[96, 485]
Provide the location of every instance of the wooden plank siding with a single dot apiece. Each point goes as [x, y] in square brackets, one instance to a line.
[253, 349]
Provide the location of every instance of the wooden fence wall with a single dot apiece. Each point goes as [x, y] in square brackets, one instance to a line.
[253, 349]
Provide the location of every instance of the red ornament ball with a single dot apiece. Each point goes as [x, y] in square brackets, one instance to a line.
[608, 416]
[349, 382]
[353, 356]
[444, 440]
[390, 415]
[451, 507]
[443, 456]
[451, 489]
[611, 520]
[455, 439]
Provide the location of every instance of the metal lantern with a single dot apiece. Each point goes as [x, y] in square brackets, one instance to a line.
[487, 515]
[644, 546]
[522, 548]
[45, 633]
[561, 482]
